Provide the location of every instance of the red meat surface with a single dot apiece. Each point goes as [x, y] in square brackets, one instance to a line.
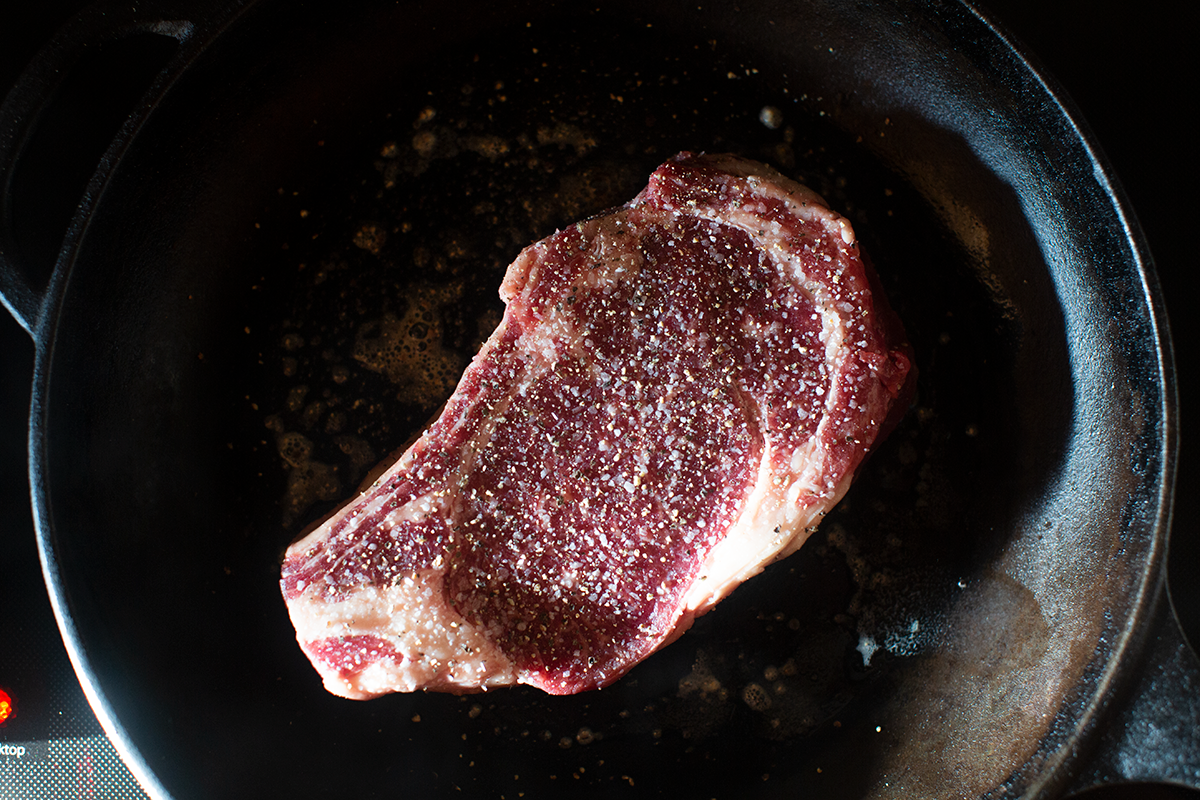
[679, 390]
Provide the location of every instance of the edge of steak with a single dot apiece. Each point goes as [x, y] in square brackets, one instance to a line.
[679, 390]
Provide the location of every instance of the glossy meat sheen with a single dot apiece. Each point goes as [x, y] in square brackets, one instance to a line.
[678, 391]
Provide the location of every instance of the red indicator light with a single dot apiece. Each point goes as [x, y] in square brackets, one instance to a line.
[6, 707]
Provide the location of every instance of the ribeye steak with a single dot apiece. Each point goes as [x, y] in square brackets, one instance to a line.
[678, 391]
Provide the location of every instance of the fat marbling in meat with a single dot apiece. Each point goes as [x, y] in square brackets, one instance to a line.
[679, 390]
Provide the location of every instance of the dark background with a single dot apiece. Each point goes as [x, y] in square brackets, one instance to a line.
[1131, 70]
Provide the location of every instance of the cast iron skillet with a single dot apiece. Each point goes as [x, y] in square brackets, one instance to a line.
[307, 216]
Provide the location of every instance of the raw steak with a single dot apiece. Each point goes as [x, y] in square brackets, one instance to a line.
[678, 392]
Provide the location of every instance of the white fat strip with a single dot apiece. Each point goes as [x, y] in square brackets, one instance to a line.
[441, 649]
[801, 201]
[772, 524]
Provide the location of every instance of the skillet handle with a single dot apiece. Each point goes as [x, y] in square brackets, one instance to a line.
[1155, 736]
[62, 124]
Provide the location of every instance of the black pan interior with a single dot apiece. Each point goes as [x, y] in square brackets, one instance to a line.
[305, 241]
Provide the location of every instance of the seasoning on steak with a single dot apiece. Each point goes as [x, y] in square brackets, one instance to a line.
[678, 392]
